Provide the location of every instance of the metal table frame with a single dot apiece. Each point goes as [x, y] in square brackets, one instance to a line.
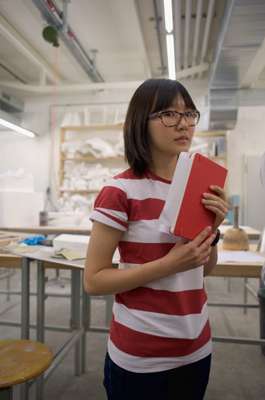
[79, 320]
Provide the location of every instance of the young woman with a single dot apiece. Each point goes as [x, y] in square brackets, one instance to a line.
[159, 345]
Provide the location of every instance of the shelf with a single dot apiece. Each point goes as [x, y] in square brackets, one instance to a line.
[73, 159]
[78, 191]
[98, 127]
[93, 159]
[209, 133]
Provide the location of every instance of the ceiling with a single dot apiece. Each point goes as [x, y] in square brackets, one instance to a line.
[126, 37]
[119, 41]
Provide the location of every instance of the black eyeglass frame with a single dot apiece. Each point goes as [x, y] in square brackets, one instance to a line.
[159, 115]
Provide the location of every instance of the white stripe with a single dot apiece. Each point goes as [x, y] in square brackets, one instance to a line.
[176, 193]
[162, 325]
[147, 231]
[141, 189]
[187, 280]
[118, 214]
[97, 216]
[155, 364]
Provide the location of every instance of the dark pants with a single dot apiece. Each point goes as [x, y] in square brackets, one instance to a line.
[184, 383]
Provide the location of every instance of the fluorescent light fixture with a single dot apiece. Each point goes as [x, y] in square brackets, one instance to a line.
[17, 128]
[168, 15]
[171, 57]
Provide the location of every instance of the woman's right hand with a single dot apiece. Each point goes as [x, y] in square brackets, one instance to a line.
[185, 256]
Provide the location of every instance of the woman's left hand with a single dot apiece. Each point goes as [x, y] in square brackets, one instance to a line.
[217, 203]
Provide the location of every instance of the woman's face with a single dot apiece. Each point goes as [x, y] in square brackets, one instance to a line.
[171, 140]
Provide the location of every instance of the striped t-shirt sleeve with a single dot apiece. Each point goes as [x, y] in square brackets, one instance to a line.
[111, 208]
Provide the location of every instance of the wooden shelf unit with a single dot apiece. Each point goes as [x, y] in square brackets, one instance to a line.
[88, 158]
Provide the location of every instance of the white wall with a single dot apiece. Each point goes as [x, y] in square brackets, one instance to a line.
[247, 142]
[35, 155]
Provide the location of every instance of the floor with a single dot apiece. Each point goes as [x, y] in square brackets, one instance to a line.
[238, 371]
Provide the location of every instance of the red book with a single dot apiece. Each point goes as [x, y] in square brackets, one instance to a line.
[184, 213]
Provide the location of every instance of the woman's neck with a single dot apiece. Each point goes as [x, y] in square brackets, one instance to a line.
[164, 167]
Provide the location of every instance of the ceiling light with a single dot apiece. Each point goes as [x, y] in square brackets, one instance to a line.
[171, 57]
[168, 15]
[17, 128]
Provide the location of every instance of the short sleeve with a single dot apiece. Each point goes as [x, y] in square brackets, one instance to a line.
[111, 208]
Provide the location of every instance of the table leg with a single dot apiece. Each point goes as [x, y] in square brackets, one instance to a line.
[245, 294]
[86, 313]
[25, 312]
[25, 306]
[40, 318]
[76, 314]
[109, 305]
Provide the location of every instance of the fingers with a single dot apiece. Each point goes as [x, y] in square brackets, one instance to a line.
[216, 207]
[220, 191]
[209, 198]
[207, 243]
[200, 238]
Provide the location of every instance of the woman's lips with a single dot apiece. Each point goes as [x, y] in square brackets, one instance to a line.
[182, 140]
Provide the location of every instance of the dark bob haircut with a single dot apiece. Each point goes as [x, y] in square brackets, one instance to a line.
[151, 96]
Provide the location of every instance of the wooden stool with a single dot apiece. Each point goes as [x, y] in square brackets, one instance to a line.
[21, 361]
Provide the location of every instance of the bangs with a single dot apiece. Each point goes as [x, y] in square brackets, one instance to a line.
[167, 92]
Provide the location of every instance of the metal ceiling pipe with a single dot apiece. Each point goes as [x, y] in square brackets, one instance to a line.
[163, 65]
[196, 32]
[187, 33]
[177, 33]
[51, 13]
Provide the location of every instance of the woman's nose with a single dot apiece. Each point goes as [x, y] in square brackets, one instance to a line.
[183, 123]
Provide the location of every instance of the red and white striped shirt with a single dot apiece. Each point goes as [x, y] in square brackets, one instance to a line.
[163, 324]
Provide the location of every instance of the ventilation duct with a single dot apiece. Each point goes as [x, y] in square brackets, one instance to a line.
[10, 104]
[11, 108]
[241, 35]
[223, 109]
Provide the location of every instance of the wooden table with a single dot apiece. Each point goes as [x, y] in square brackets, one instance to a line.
[239, 268]
[48, 230]
[252, 233]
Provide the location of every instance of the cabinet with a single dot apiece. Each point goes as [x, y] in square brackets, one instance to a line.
[89, 156]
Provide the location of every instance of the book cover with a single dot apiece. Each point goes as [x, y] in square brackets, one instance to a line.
[184, 213]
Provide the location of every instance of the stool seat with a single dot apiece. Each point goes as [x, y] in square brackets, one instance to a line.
[22, 360]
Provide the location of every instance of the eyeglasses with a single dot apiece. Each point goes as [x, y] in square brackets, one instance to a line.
[172, 118]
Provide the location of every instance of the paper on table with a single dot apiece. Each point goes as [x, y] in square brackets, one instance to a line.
[240, 256]
[68, 254]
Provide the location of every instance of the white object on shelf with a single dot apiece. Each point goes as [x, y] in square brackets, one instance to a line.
[20, 208]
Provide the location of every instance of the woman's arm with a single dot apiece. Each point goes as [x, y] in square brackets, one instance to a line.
[101, 277]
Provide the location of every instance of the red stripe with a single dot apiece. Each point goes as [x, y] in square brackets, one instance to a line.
[145, 209]
[113, 218]
[144, 345]
[112, 198]
[127, 174]
[139, 253]
[164, 302]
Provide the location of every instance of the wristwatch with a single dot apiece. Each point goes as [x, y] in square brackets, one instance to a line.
[216, 239]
